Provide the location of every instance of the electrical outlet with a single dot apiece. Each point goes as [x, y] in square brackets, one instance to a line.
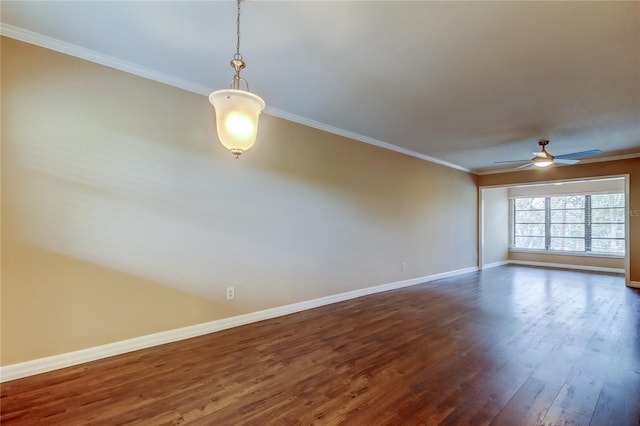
[231, 293]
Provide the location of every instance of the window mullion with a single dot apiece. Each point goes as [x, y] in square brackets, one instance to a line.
[513, 222]
[587, 223]
[547, 223]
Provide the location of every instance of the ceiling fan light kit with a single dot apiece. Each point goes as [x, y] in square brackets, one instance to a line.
[237, 110]
[540, 162]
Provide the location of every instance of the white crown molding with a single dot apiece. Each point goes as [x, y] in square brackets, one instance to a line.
[99, 58]
[585, 161]
[131, 68]
[42, 365]
[351, 135]
[480, 172]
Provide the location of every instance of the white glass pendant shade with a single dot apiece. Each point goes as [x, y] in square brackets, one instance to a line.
[237, 114]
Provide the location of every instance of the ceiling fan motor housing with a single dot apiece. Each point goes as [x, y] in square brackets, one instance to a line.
[543, 155]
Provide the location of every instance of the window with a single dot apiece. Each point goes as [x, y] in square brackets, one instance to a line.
[590, 223]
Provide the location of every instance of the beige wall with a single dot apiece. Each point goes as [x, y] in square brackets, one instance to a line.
[563, 259]
[568, 188]
[122, 215]
[495, 225]
[588, 170]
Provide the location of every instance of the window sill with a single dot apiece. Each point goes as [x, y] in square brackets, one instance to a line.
[566, 253]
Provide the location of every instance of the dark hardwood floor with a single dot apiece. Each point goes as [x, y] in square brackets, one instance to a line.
[506, 346]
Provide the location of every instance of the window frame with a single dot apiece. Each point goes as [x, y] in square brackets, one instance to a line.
[588, 223]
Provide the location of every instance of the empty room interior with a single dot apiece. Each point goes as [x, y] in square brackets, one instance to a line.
[294, 213]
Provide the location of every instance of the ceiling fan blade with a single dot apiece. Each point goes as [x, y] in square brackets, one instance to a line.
[565, 161]
[579, 154]
[511, 161]
[524, 166]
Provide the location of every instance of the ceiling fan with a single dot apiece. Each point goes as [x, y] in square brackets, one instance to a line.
[544, 159]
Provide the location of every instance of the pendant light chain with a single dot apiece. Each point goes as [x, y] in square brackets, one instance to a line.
[237, 62]
[238, 55]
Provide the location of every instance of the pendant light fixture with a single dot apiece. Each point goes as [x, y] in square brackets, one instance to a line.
[237, 110]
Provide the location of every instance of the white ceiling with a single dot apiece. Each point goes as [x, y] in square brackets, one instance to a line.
[466, 83]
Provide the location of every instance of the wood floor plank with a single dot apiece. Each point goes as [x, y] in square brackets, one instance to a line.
[576, 401]
[529, 405]
[619, 399]
[507, 346]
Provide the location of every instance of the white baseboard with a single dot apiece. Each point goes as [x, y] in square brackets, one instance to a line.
[42, 365]
[494, 264]
[567, 266]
